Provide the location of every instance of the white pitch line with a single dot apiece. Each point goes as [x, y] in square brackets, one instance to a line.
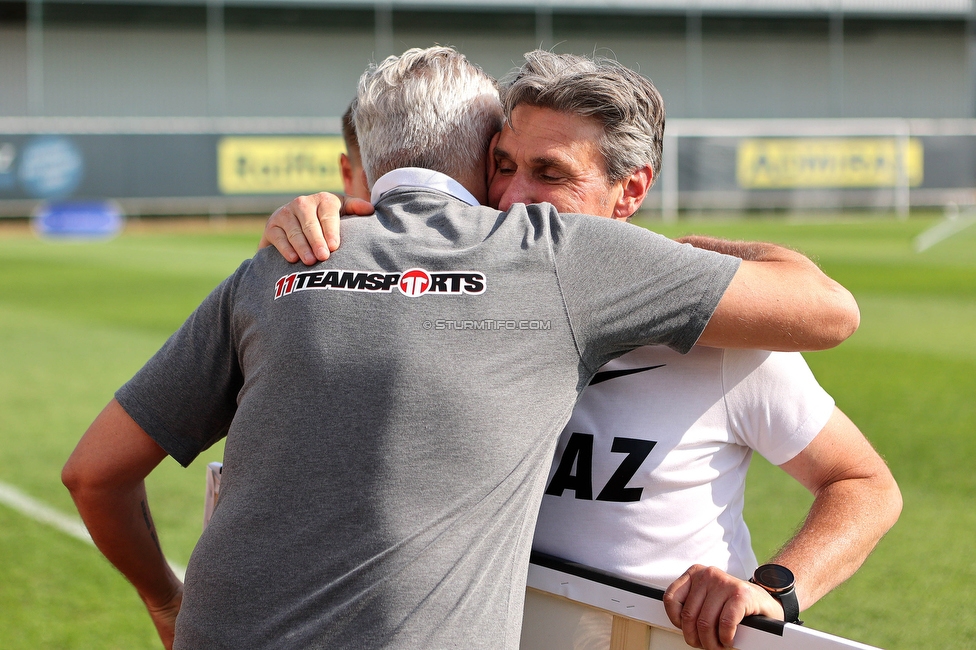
[45, 514]
[942, 231]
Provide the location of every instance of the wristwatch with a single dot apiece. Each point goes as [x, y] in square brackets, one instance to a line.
[781, 585]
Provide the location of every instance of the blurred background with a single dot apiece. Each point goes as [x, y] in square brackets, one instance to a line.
[843, 128]
[180, 107]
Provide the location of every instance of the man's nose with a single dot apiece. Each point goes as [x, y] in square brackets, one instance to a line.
[518, 190]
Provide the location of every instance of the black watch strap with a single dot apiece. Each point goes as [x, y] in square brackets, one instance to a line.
[791, 607]
[778, 581]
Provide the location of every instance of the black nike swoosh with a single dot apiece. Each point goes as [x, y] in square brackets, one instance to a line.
[613, 374]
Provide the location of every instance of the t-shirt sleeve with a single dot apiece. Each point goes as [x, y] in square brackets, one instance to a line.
[186, 395]
[775, 405]
[625, 286]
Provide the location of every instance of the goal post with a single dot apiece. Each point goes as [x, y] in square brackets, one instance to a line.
[814, 164]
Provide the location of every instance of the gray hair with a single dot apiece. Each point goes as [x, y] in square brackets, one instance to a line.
[426, 108]
[625, 102]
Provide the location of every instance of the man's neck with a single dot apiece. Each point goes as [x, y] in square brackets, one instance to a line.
[419, 177]
[476, 184]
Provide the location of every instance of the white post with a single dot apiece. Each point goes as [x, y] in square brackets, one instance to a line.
[669, 180]
[903, 188]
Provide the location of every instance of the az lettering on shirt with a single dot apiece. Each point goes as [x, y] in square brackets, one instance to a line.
[579, 454]
[412, 283]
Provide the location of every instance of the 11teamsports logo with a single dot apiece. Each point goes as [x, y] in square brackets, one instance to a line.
[412, 283]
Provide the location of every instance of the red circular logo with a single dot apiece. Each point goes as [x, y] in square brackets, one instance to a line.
[414, 282]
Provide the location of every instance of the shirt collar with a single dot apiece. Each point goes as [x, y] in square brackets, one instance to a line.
[418, 177]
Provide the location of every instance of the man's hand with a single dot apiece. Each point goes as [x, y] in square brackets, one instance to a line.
[708, 605]
[307, 229]
[164, 617]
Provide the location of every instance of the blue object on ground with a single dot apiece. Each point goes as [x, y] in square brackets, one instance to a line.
[78, 220]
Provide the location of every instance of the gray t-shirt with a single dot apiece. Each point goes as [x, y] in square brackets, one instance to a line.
[391, 415]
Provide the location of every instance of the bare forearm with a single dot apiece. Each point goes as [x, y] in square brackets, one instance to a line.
[778, 300]
[845, 523]
[744, 250]
[122, 528]
[106, 478]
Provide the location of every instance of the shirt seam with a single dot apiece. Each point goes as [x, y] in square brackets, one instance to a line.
[562, 297]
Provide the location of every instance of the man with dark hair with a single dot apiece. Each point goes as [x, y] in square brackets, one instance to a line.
[660, 438]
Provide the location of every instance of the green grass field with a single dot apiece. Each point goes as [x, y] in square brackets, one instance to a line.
[76, 320]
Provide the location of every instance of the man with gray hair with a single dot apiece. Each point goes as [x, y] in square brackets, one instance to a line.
[386, 438]
[660, 438]
[616, 118]
[626, 104]
[587, 136]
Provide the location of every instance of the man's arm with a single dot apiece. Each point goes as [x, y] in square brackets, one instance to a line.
[307, 229]
[105, 475]
[777, 300]
[856, 502]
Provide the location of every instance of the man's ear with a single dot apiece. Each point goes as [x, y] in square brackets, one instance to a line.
[490, 166]
[345, 167]
[634, 189]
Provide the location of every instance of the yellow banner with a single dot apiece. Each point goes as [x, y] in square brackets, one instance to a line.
[780, 163]
[275, 165]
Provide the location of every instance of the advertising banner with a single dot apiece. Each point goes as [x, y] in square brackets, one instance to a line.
[278, 165]
[788, 163]
[252, 171]
[46, 167]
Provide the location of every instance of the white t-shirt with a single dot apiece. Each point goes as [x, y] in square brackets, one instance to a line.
[649, 474]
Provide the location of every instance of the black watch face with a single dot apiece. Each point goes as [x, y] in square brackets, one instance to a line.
[774, 577]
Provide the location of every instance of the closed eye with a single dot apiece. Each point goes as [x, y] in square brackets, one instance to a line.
[504, 164]
[551, 178]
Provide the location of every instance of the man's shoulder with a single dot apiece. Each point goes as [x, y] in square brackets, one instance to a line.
[620, 232]
[772, 363]
[731, 365]
[773, 377]
[543, 217]
[266, 260]
[413, 202]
